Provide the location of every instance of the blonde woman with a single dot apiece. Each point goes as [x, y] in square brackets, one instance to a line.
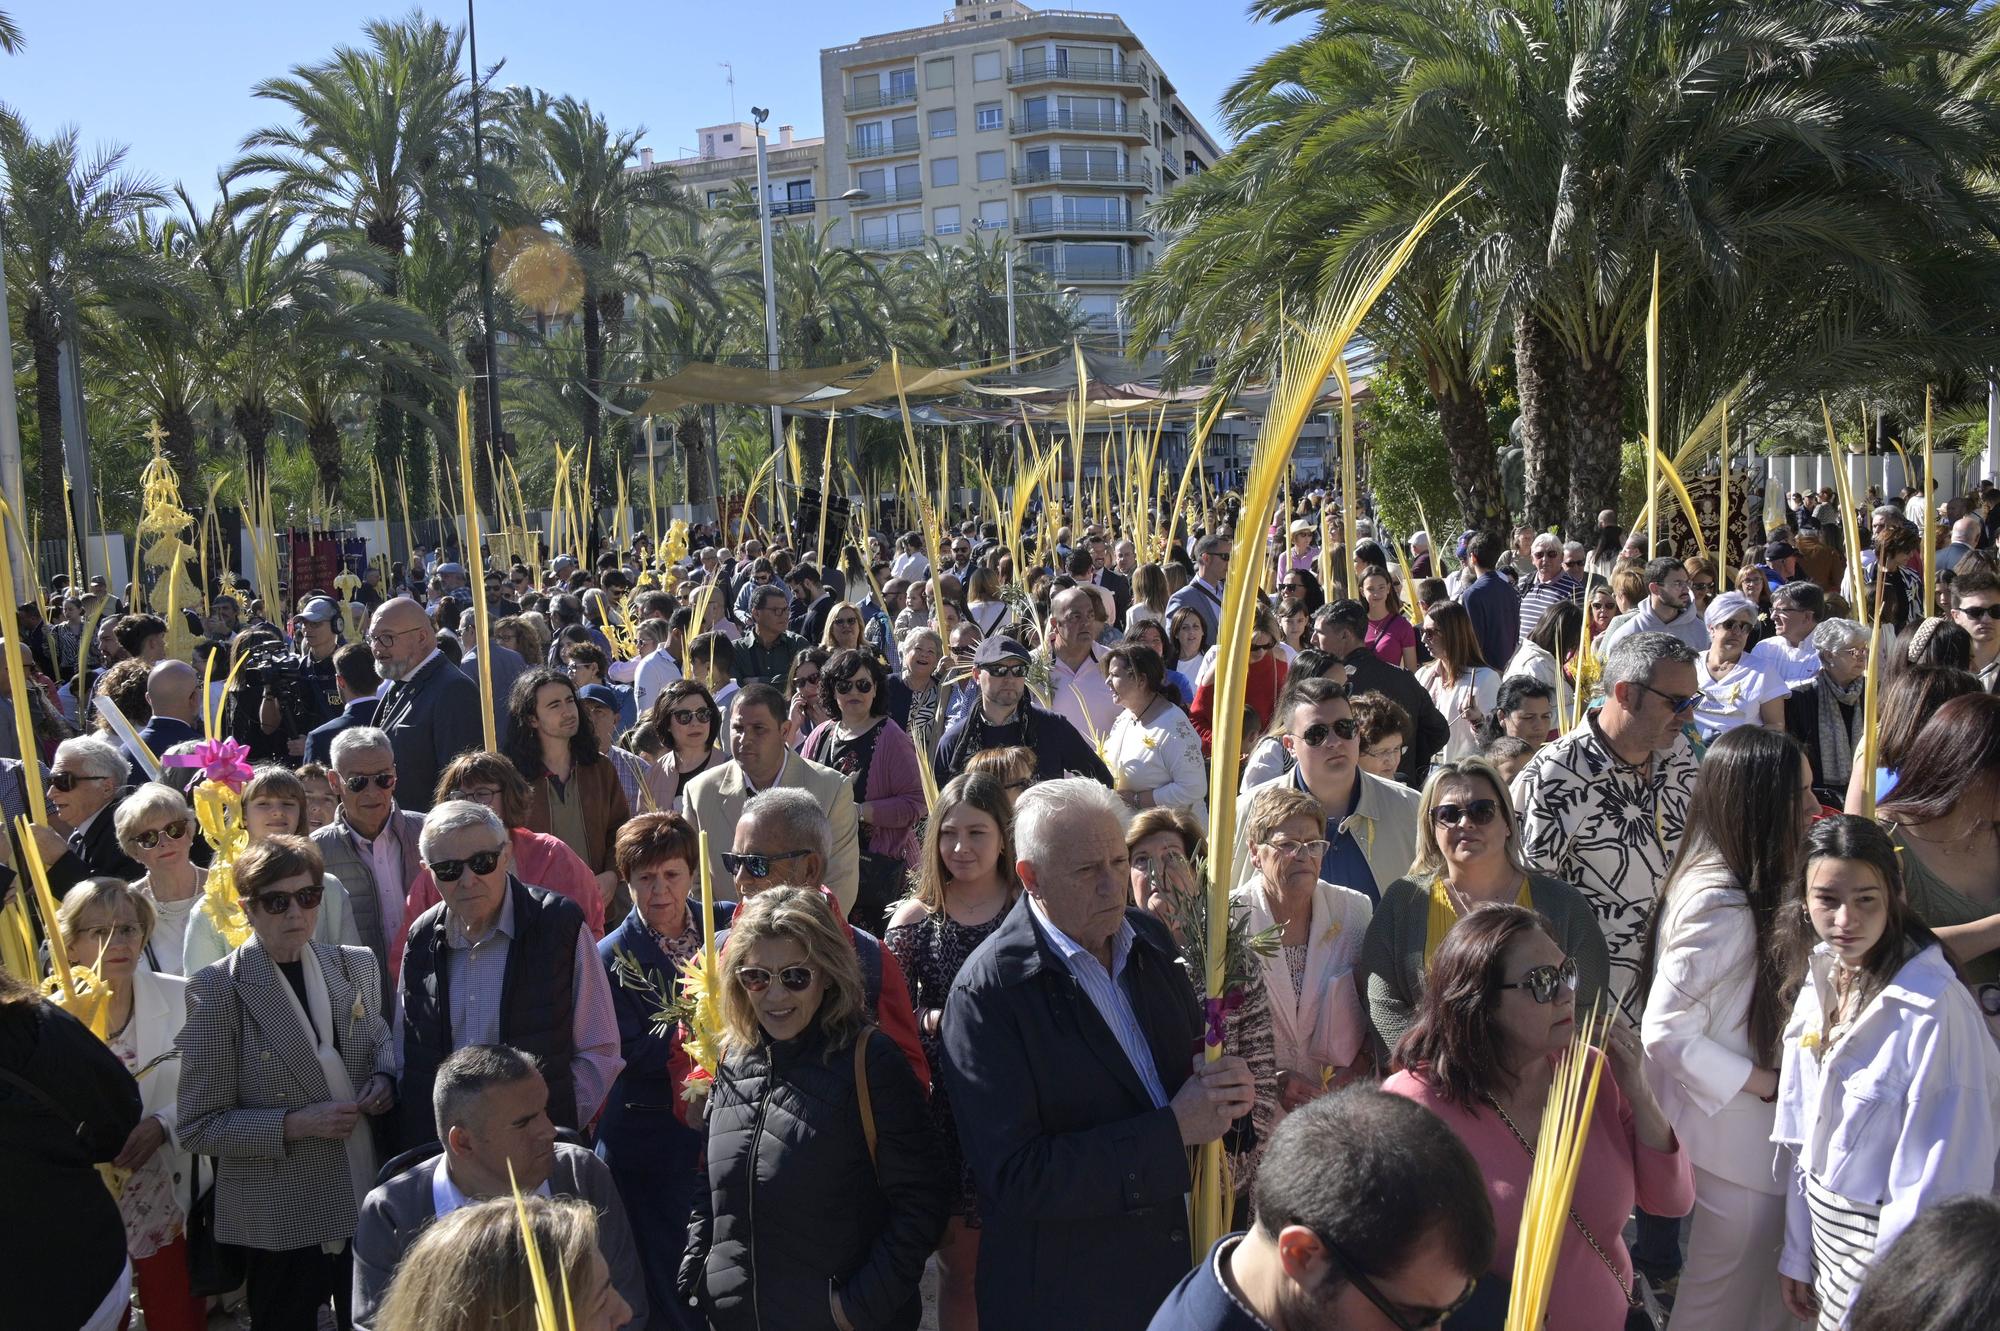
[790, 1166]
[469, 1271]
[156, 828]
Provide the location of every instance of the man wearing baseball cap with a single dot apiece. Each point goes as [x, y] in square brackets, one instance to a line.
[318, 628]
[1006, 716]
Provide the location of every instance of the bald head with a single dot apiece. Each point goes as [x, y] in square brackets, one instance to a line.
[401, 637]
[1967, 532]
[174, 689]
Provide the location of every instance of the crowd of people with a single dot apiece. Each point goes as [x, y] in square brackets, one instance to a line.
[952, 827]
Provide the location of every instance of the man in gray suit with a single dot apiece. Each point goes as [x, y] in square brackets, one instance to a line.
[492, 1110]
[508, 666]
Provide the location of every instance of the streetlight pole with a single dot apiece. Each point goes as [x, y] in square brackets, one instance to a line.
[490, 396]
[760, 114]
[1009, 243]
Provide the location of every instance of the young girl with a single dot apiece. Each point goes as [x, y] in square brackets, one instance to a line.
[1890, 1080]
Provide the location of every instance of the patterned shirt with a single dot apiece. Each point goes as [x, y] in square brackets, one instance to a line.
[1107, 995]
[1611, 829]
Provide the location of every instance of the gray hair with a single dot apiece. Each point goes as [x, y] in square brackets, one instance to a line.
[1546, 541]
[916, 635]
[1887, 511]
[359, 739]
[468, 1074]
[150, 801]
[1636, 658]
[797, 813]
[1045, 810]
[1838, 635]
[1574, 548]
[456, 816]
[89, 755]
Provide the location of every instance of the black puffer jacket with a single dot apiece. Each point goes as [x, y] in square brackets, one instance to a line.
[796, 1214]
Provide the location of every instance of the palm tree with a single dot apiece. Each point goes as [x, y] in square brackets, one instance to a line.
[833, 304]
[10, 35]
[164, 348]
[68, 255]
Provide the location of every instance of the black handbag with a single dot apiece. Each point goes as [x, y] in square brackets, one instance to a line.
[884, 880]
[214, 1267]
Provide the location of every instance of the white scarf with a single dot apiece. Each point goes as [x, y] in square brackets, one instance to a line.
[319, 1030]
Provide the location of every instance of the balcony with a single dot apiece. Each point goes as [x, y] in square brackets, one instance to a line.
[1080, 175]
[883, 198]
[1074, 270]
[1078, 224]
[1120, 124]
[909, 240]
[1076, 71]
[868, 148]
[793, 207]
[875, 101]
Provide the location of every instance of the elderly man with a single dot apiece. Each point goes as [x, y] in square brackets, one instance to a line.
[491, 1108]
[1204, 594]
[765, 653]
[760, 759]
[1781, 563]
[371, 845]
[1125, 558]
[86, 785]
[1796, 608]
[1549, 582]
[1004, 717]
[1966, 535]
[1371, 824]
[173, 692]
[355, 679]
[1077, 691]
[430, 710]
[498, 962]
[1668, 608]
[783, 839]
[1067, 1053]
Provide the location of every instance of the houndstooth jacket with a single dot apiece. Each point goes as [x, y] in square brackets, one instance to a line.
[244, 1063]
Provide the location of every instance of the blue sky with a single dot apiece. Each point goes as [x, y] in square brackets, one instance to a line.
[172, 81]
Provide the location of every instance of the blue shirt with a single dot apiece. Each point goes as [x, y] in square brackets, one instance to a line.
[1107, 994]
[1203, 1301]
[1346, 862]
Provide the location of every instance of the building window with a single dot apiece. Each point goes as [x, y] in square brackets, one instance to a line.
[944, 171]
[909, 181]
[985, 66]
[944, 221]
[872, 181]
[993, 214]
[903, 130]
[902, 83]
[937, 73]
[993, 166]
[943, 122]
[989, 115]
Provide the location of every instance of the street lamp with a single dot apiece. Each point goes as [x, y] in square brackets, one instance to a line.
[760, 114]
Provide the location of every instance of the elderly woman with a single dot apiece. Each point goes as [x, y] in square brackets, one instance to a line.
[1736, 690]
[1498, 1011]
[284, 1050]
[654, 1157]
[107, 925]
[1153, 751]
[880, 761]
[1825, 716]
[1467, 856]
[690, 724]
[917, 695]
[540, 860]
[86, 784]
[793, 1166]
[156, 828]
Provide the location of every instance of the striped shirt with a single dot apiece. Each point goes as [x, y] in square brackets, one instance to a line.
[1538, 598]
[1843, 1241]
[1107, 995]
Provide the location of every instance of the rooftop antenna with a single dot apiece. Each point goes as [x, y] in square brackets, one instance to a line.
[731, 81]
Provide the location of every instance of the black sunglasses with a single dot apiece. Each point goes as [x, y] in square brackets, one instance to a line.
[449, 871]
[757, 866]
[1677, 704]
[756, 979]
[1006, 671]
[152, 836]
[1316, 734]
[382, 780]
[1974, 612]
[1477, 812]
[67, 781]
[1404, 1317]
[861, 685]
[1543, 983]
[691, 716]
[280, 903]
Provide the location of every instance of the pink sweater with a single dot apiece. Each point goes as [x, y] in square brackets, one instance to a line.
[540, 860]
[1617, 1172]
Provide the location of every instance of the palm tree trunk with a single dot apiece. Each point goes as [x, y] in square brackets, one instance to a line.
[323, 443]
[182, 439]
[1538, 379]
[42, 337]
[1594, 386]
[254, 421]
[593, 376]
[1475, 468]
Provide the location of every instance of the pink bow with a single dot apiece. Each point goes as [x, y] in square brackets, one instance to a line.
[223, 761]
[1216, 1012]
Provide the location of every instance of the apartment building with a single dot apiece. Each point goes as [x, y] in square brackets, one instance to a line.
[1055, 127]
[725, 162]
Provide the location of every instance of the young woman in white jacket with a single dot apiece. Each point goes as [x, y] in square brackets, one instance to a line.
[1890, 1082]
[1714, 1010]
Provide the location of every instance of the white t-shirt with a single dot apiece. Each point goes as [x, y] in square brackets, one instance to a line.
[1481, 686]
[911, 567]
[654, 671]
[1795, 665]
[1737, 699]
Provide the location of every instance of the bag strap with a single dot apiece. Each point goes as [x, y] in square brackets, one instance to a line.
[1632, 1299]
[862, 1093]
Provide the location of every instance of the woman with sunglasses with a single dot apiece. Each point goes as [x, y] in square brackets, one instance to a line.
[1262, 680]
[843, 629]
[284, 1052]
[1458, 679]
[1498, 1010]
[826, 1187]
[961, 888]
[1390, 634]
[687, 718]
[156, 828]
[808, 706]
[1153, 751]
[879, 760]
[1736, 689]
[1467, 857]
[1888, 1093]
[108, 926]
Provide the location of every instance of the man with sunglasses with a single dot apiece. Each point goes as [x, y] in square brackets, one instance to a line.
[1204, 594]
[1371, 824]
[1005, 716]
[1368, 1211]
[498, 962]
[430, 710]
[86, 785]
[1549, 582]
[1976, 609]
[371, 844]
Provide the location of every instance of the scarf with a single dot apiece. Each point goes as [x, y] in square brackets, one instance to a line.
[320, 1033]
[1840, 726]
[1443, 914]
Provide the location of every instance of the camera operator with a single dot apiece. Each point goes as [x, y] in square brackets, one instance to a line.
[279, 696]
[317, 639]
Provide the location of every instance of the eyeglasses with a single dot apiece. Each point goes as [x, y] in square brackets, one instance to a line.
[1978, 612]
[757, 866]
[1476, 812]
[477, 794]
[1572, 563]
[450, 871]
[387, 637]
[1383, 753]
[1298, 850]
[280, 903]
[1405, 1317]
[123, 933]
[862, 685]
[691, 716]
[1543, 983]
[756, 979]
[1006, 671]
[67, 781]
[1673, 703]
[1316, 735]
[152, 836]
[359, 782]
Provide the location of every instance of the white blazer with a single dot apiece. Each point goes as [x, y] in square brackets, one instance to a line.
[1320, 1025]
[159, 1008]
[1697, 1030]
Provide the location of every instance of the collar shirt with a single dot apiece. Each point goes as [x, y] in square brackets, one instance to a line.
[1107, 993]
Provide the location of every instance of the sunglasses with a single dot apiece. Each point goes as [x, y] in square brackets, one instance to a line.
[1734, 626]
[756, 979]
[152, 836]
[280, 903]
[1259, 648]
[1543, 983]
[691, 716]
[1972, 612]
[382, 780]
[450, 871]
[1703, 587]
[1572, 563]
[1402, 1316]
[1316, 734]
[1675, 703]
[847, 686]
[1006, 671]
[757, 866]
[1476, 812]
[805, 681]
[67, 781]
